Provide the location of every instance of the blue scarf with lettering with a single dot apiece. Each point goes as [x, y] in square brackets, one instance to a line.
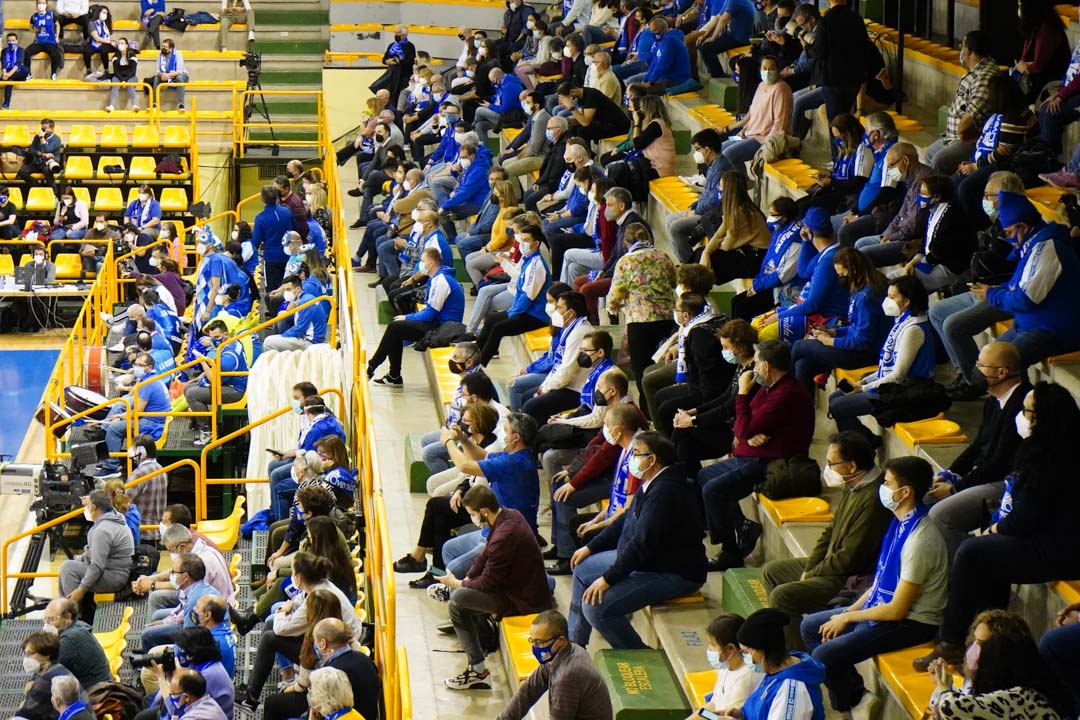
[988, 139]
[590, 382]
[1006, 505]
[682, 374]
[888, 350]
[557, 359]
[620, 482]
[887, 576]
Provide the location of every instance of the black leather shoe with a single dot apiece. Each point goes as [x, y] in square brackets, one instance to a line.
[748, 536]
[725, 561]
[423, 581]
[244, 620]
[552, 553]
[355, 192]
[559, 567]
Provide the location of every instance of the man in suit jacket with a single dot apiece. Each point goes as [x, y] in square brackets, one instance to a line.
[334, 647]
[978, 475]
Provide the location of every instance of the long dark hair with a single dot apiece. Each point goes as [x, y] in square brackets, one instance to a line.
[1039, 458]
[1008, 661]
[1005, 96]
[1036, 13]
[326, 543]
[861, 272]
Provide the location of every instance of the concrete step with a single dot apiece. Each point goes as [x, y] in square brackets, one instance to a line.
[286, 46]
[310, 16]
[274, 78]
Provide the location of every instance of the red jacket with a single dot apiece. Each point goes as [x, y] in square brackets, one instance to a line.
[783, 412]
[511, 564]
[602, 457]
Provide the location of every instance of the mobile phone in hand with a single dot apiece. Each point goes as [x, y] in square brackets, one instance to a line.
[845, 385]
[276, 453]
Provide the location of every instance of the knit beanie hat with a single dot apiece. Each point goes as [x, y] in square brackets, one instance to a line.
[764, 630]
[818, 221]
[1016, 208]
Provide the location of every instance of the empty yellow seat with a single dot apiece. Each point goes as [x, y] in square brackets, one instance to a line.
[699, 685]
[913, 689]
[935, 431]
[111, 638]
[7, 265]
[538, 341]
[799, 509]
[142, 168]
[15, 136]
[515, 633]
[108, 200]
[446, 380]
[106, 160]
[173, 199]
[40, 199]
[83, 194]
[78, 167]
[68, 266]
[145, 136]
[82, 136]
[224, 532]
[114, 136]
[16, 197]
[177, 136]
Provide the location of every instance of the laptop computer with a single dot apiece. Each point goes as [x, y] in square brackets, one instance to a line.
[27, 276]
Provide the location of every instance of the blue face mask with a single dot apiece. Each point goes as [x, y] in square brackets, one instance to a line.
[748, 659]
[181, 656]
[719, 193]
[735, 76]
[773, 224]
[867, 141]
[923, 201]
[549, 135]
[838, 142]
[544, 654]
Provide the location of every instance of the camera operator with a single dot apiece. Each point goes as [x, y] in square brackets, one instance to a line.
[105, 564]
[80, 652]
[43, 156]
[194, 649]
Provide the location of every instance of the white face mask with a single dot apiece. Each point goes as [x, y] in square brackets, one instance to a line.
[1023, 425]
[768, 76]
[887, 498]
[289, 296]
[51, 629]
[103, 16]
[39, 259]
[30, 665]
[537, 34]
[989, 209]
[890, 307]
[556, 318]
[174, 556]
[67, 201]
[153, 262]
[831, 477]
[894, 175]
[235, 234]
[203, 248]
[415, 215]
[608, 436]
[549, 309]
[699, 157]
[566, 52]
[100, 227]
[143, 197]
[459, 137]
[638, 466]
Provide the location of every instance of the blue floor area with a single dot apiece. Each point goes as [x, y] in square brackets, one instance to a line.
[23, 375]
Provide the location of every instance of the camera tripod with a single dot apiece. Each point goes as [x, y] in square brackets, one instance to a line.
[255, 102]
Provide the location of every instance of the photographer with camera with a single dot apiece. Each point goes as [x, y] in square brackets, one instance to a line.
[80, 652]
[43, 156]
[194, 650]
[105, 564]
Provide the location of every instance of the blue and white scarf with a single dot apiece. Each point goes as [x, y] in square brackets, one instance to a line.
[887, 576]
[619, 482]
[888, 351]
[682, 374]
[988, 139]
[589, 388]
[557, 359]
[1006, 505]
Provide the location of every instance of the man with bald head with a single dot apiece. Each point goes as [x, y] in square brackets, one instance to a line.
[211, 612]
[961, 493]
[334, 645]
[80, 652]
[188, 687]
[901, 166]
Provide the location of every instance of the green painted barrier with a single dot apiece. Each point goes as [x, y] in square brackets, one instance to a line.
[725, 93]
[417, 470]
[642, 685]
[721, 300]
[744, 591]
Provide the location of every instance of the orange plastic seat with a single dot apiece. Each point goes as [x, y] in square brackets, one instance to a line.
[799, 509]
[935, 431]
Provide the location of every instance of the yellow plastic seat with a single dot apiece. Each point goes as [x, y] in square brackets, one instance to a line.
[16, 136]
[15, 196]
[853, 376]
[108, 200]
[145, 136]
[935, 431]
[41, 199]
[1069, 590]
[177, 136]
[82, 136]
[115, 664]
[913, 689]
[173, 199]
[694, 598]
[104, 598]
[113, 637]
[7, 265]
[538, 341]
[799, 509]
[234, 566]
[82, 193]
[78, 167]
[446, 381]
[106, 160]
[224, 532]
[515, 633]
[700, 684]
[114, 136]
[68, 266]
[1065, 358]
[142, 168]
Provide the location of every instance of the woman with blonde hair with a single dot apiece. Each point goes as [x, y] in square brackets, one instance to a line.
[122, 504]
[507, 195]
[331, 693]
[316, 199]
[321, 604]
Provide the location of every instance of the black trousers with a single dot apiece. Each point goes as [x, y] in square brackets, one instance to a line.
[153, 31]
[418, 145]
[559, 242]
[694, 444]
[56, 55]
[671, 399]
[728, 265]
[273, 274]
[500, 325]
[391, 347]
[102, 52]
[282, 706]
[747, 307]
[36, 164]
[643, 339]
[439, 520]
[542, 407]
[270, 643]
[82, 21]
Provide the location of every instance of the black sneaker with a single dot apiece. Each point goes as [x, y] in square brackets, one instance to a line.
[446, 628]
[470, 680]
[725, 561]
[355, 192]
[552, 553]
[390, 380]
[559, 567]
[965, 392]
[375, 284]
[409, 564]
[246, 705]
[423, 582]
[748, 536]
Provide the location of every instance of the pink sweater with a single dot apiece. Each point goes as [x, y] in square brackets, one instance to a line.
[770, 111]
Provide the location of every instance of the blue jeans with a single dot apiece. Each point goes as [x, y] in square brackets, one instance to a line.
[879, 253]
[1073, 165]
[116, 434]
[847, 408]
[1060, 648]
[1052, 127]
[60, 234]
[523, 387]
[805, 100]
[389, 264]
[563, 513]
[436, 456]
[490, 298]
[739, 152]
[859, 642]
[441, 187]
[710, 52]
[1037, 344]
[154, 635]
[459, 552]
[812, 357]
[471, 243]
[551, 226]
[629, 69]
[610, 618]
[282, 488]
[957, 320]
[723, 485]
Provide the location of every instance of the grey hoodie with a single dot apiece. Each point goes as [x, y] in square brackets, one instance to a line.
[109, 551]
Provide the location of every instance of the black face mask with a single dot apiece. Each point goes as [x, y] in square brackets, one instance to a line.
[583, 360]
[844, 280]
[493, 199]
[598, 399]
[455, 367]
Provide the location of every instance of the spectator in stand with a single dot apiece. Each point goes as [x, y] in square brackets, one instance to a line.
[602, 26]
[68, 700]
[735, 678]
[554, 165]
[106, 561]
[468, 191]
[171, 72]
[80, 652]
[41, 655]
[308, 325]
[779, 266]
[840, 47]
[100, 42]
[1045, 55]
[669, 68]
[682, 226]
[651, 137]
[943, 253]
[197, 655]
[1030, 533]
[507, 577]
[235, 12]
[791, 686]
[908, 354]
[73, 12]
[179, 540]
[526, 152]
[42, 156]
[848, 544]
[977, 477]
[44, 24]
[561, 389]
[739, 245]
[857, 340]
[875, 205]
[726, 30]
[123, 505]
[504, 111]
[573, 685]
[294, 204]
[902, 166]
[642, 558]
[1058, 111]
[592, 115]
[399, 59]
[270, 226]
[188, 576]
[902, 607]
[1060, 646]
[463, 361]
[969, 107]
[852, 165]
[149, 496]
[639, 49]
[445, 301]
[153, 397]
[604, 79]
[231, 358]
[527, 313]
[15, 67]
[144, 213]
[124, 69]
[775, 422]
[523, 385]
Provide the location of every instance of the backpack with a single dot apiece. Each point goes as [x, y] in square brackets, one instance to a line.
[117, 700]
[144, 562]
[170, 164]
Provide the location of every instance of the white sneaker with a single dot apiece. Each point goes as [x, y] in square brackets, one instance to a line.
[134, 108]
[109, 108]
[118, 347]
[106, 318]
[251, 36]
[54, 76]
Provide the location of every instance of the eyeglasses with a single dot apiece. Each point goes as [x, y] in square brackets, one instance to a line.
[635, 453]
[838, 462]
[536, 642]
[590, 350]
[1029, 414]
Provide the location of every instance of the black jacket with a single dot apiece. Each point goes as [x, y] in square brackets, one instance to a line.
[578, 70]
[364, 679]
[952, 241]
[661, 531]
[554, 166]
[514, 22]
[124, 73]
[840, 43]
[710, 374]
[989, 457]
[620, 246]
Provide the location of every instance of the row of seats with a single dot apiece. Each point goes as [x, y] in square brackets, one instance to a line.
[112, 137]
[140, 168]
[105, 199]
[118, 26]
